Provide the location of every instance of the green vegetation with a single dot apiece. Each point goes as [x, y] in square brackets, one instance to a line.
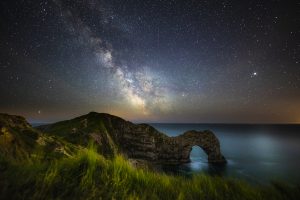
[88, 175]
[78, 132]
[28, 144]
[61, 162]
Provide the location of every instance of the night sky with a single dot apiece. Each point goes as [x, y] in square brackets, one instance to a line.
[151, 60]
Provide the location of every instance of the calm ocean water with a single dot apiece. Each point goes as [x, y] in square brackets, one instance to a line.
[256, 153]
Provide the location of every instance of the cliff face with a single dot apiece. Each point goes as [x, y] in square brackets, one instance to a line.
[17, 138]
[113, 134]
[20, 141]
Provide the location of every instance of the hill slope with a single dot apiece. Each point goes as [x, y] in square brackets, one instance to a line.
[61, 165]
[20, 141]
[138, 141]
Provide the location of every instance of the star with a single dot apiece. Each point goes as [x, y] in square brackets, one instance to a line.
[254, 74]
[135, 60]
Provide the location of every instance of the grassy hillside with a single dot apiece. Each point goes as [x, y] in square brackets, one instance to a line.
[19, 141]
[35, 164]
[88, 175]
[112, 135]
[80, 130]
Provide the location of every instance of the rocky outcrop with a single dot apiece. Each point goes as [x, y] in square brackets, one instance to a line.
[145, 142]
[205, 140]
[111, 134]
[140, 141]
[20, 141]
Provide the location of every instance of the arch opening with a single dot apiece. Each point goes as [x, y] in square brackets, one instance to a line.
[197, 154]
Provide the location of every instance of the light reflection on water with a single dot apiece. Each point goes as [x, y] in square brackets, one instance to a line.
[256, 153]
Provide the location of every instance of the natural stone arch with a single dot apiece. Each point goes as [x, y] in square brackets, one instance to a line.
[176, 150]
[141, 141]
[205, 140]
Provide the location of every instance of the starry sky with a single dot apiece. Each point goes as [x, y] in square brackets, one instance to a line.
[151, 61]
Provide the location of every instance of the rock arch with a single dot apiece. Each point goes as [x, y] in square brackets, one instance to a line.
[142, 141]
[162, 149]
[138, 141]
[205, 140]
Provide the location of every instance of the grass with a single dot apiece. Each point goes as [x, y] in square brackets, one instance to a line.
[60, 164]
[88, 175]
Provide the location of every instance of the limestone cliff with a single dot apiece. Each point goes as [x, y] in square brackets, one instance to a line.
[20, 141]
[138, 141]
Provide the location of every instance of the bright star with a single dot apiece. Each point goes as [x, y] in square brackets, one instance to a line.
[253, 74]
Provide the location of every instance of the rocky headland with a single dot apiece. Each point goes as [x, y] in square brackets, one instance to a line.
[111, 134]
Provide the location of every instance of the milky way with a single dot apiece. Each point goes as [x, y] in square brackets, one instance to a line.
[161, 61]
[139, 87]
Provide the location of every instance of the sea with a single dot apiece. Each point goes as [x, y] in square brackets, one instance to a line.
[258, 154]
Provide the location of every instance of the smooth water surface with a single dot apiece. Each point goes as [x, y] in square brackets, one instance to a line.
[256, 153]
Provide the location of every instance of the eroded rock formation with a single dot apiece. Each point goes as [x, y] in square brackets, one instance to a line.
[112, 135]
[141, 141]
[149, 144]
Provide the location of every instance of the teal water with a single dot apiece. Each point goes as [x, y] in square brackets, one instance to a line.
[255, 153]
